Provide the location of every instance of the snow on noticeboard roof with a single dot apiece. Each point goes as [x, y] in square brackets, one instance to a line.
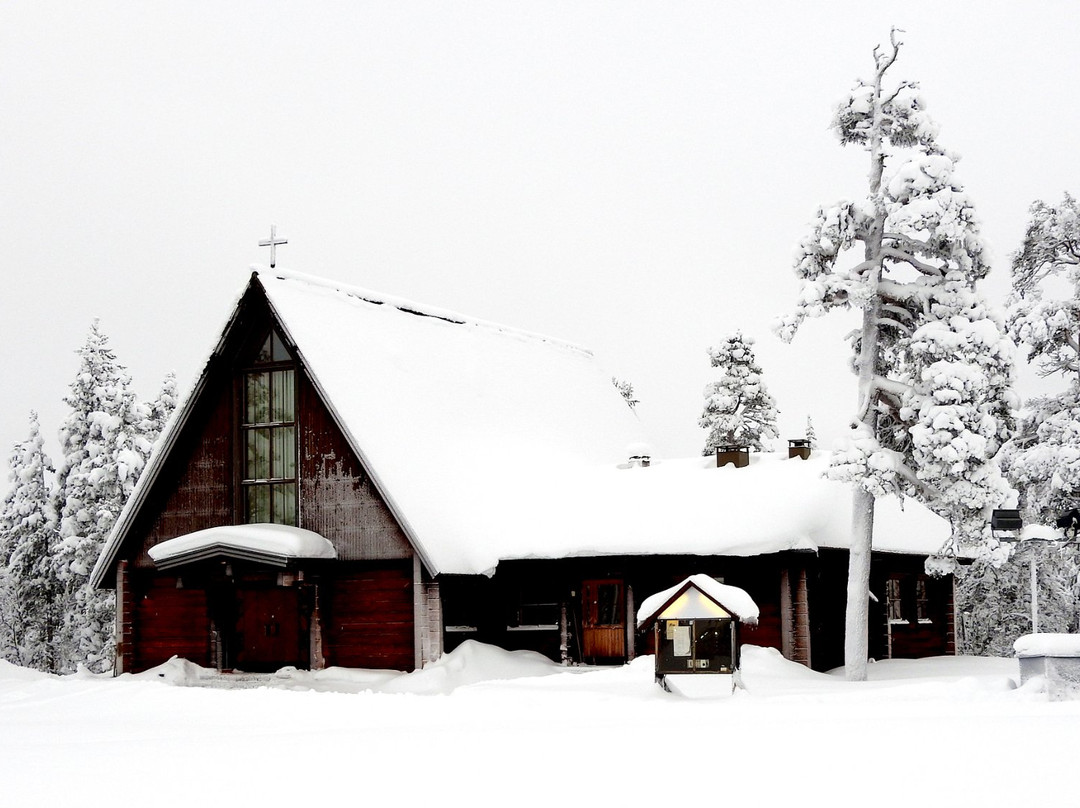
[731, 598]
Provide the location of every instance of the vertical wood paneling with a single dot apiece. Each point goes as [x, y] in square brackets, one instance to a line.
[337, 500]
[169, 621]
[369, 617]
[200, 471]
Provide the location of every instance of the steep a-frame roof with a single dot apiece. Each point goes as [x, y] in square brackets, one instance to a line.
[450, 415]
[490, 444]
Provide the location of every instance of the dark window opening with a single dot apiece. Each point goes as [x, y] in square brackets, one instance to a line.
[269, 437]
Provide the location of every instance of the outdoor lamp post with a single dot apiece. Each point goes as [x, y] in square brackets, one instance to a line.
[1006, 525]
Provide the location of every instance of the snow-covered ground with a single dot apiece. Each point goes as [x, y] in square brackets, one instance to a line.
[485, 727]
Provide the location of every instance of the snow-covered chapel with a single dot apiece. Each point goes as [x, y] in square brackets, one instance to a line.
[363, 481]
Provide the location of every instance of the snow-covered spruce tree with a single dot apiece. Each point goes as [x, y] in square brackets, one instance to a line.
[811, 435]
[738, 408]
[27, 586]
[934, 368]
[105, 444]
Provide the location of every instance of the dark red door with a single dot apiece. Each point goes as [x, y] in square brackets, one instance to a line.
[268, 633]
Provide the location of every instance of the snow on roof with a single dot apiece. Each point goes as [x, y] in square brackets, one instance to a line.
[1037, 645]
[458, 420]
[491, 444]
[732, 598]
[274, 544]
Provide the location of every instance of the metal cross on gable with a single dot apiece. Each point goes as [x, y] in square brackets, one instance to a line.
[272, 243]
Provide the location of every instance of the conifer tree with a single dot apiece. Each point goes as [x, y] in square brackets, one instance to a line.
[738, 408]
[934, 368]
[161, 409]
[104, 449]
[27, 587]
[811, 435]
[1043, 460]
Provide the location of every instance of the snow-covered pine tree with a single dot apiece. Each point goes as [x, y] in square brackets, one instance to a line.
[1043, 460]
[27, 587]
[738, 408]
[811, 435]
[626, 390]
[104, 447]
[934, 367]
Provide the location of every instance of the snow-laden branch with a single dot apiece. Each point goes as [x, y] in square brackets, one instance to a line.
[911, 260]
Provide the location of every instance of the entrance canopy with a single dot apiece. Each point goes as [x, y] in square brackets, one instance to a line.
[276, 545]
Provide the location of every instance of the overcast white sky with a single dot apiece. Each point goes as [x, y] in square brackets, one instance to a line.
[628, 176]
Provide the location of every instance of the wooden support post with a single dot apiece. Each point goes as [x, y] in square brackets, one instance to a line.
[950, 618]
[564, 635]
[787, 617]
[802, 620]
[317, 660]
[125, 620]
[419, 613]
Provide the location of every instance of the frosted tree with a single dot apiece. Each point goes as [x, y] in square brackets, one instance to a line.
[1043, 460]
[811, 435]
[27, 587]
[626, 390]
[161, 408]
[105, 445]
[738, 408]
[934, 368]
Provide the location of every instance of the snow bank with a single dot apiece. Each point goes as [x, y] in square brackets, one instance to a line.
[470, 663]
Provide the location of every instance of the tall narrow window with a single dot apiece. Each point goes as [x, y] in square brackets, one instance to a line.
[922, 601]
[894, 599]
[269, 432]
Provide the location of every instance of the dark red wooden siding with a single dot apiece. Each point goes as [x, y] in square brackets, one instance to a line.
[169, 621]
[368, 621]
[194, 490]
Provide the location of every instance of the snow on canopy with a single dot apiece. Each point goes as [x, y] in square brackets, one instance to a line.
[491, 444]
[265, 542]
[731, 598]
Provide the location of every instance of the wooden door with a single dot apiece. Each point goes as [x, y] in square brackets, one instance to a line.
[268, 629]
[603, 619]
